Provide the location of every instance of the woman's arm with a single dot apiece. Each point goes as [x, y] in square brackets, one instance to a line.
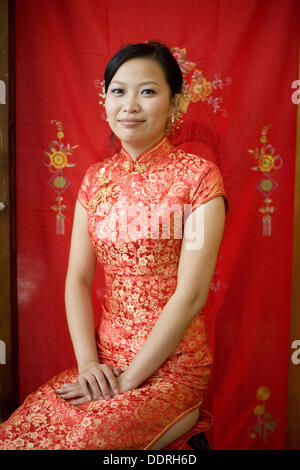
[79, 310]
[195, 272]
[78, 287]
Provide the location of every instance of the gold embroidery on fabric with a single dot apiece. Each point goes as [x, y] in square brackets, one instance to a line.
[141, 167]
[126, 165]
[101, 196]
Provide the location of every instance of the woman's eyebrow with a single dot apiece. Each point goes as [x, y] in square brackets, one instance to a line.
[140, 84]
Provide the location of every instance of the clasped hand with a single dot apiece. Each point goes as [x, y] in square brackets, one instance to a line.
[96, 382]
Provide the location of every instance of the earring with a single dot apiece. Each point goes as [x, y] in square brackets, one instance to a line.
[170, 124]
[174, 121]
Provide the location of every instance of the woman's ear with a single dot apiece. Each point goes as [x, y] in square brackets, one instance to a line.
[176, 102]
[175, 114]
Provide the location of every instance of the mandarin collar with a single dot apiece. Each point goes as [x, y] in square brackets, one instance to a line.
[160, 148]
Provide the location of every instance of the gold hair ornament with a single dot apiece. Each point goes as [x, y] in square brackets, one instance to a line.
[103, 93]
[175, 120]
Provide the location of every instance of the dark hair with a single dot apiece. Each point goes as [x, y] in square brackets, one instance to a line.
[153, 50]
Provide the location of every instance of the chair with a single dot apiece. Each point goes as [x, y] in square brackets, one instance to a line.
[195, 439]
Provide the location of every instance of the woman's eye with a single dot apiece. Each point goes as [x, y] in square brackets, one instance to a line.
[117, 91]
[148, 91]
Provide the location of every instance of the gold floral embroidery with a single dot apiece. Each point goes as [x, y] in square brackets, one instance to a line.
[265, 423]
[101, 196]
[141, 167]
[104, 192]
[126, 165]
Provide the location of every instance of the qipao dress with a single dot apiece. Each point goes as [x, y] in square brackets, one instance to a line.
[136, 213]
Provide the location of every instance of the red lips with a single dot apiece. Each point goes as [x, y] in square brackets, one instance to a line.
[131, 122]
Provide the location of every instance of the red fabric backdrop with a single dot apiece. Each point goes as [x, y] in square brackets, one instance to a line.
[240, 58]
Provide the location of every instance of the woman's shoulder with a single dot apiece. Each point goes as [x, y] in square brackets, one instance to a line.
[193, 161]
[97, 168]
[95, 173]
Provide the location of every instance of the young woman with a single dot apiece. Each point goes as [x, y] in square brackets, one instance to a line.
[142, 376]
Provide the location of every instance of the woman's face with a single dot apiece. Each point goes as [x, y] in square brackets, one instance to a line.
[138, 103]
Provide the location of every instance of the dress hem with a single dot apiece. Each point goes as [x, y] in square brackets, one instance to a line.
[178, 418]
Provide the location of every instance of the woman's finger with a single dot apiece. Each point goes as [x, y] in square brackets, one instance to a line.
[84, 386]
[111, 379]
[68, 391]
[66, 387]
[80, 401]
[117, 371]
[71, 394]
[95, 381]
[102, 383]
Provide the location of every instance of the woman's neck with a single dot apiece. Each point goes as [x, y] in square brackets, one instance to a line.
[134, 151]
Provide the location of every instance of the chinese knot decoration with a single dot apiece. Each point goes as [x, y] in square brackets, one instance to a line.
[58, 160]
[267, 163]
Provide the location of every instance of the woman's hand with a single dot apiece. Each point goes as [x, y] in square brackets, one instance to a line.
[72, 390]
[95, 382]
[98, 381]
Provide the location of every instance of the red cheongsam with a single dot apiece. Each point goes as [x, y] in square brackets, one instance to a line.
[136, 213]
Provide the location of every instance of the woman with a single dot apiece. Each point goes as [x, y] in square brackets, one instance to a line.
[141, 379]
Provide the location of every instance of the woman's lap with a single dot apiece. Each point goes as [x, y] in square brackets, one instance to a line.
[131, 420]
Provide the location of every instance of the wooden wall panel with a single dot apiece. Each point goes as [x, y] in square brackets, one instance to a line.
[293, 416]
[8, 292]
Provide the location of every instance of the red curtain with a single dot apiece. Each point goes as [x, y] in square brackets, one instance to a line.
[240, 59]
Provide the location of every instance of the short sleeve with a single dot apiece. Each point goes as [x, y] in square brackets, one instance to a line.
[208, 185]
[87, 185]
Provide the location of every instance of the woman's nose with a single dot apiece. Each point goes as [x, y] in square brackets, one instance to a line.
[131, 103]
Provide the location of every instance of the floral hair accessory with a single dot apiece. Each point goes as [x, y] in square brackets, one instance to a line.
[102, 94]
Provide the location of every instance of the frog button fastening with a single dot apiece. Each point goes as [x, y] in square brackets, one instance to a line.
[139, 167]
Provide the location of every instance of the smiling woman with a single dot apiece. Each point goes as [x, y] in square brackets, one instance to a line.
[141, 377]
[136, 113]
[142, 92]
